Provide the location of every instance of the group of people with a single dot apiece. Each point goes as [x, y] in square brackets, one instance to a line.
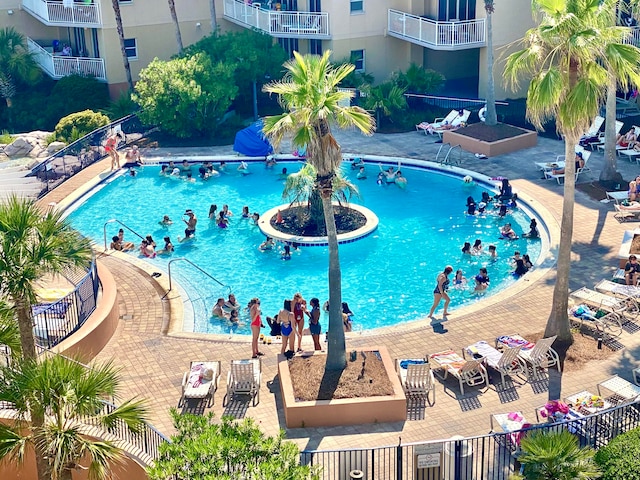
[504, 201]
[147, 246]
[132, 155]
[385, 177]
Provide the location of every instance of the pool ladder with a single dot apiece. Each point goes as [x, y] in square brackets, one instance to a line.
[115, 220]
[447, 158]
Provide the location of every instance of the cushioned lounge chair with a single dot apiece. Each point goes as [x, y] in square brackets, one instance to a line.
[470, 372]
[426, 127]
[200, 381]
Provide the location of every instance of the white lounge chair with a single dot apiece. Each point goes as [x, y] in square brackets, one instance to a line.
[438, 122]
[607, 326]
[548, 174]
[456, 123]
[470, 372]
[541, 356]
[627, 306]
[617, 290]
[506, 362]
[416, 378]
[244, 379]
[627, 107]
[622, 390]
[201, 381]
[600, 144]
[594, 129]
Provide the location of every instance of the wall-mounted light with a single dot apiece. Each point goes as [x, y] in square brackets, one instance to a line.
[9, 12]
[198, 25]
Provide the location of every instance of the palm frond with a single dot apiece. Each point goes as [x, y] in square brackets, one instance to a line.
[12, 443]
[132, 413]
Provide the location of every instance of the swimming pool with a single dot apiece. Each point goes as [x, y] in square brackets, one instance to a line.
[387, 277]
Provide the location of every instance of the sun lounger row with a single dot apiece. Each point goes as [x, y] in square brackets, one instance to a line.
[512, 356]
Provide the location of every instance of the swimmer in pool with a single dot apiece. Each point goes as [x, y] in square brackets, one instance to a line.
[399, 180]
[286, 254]
[243, 168]
[482, 280]
[389, 174]
[460, 279]
[255, 218]
[245, 212]
[506, 233]
[362, 175]
[267, 244]
[168, 247]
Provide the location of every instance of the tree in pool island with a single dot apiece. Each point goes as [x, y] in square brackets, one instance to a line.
[309, 94]
[31, 246]
[569, 57]
[69, 396]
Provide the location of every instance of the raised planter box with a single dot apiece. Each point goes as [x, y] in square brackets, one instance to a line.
[491, 149]
[347, 411]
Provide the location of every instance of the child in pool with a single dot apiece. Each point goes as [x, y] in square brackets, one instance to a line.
[166, 221]
[286, 254]
[460, 280]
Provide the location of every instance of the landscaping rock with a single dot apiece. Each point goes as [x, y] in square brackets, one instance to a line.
[54, 147]
[20, 147]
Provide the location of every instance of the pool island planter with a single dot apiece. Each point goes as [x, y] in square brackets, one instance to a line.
[344, 411]
[500, 147]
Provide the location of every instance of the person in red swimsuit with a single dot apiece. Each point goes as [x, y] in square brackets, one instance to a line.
[110, 147]
[256, 324]
[299, 305]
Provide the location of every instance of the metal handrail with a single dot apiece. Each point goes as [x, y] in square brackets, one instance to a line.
[182, 259]
[115, 220]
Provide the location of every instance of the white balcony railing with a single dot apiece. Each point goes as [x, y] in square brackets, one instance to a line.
[57, 66]
[634, 37]
[452, 35]
[67, 13]
[279, 24]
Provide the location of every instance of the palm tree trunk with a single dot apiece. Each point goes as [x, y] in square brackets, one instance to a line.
[558, 323]
[176, 24]
[491, 115]
[610, 171]
[214, 21]
[316, 211]
[336, 348]
[125, 59]
[28, 344]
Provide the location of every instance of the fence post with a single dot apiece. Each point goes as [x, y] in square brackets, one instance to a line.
[399, 460]
[457, 462]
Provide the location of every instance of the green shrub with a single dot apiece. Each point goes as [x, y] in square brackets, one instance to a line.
[75, 93]
[5, 137]
[620, 458]
[78, 124]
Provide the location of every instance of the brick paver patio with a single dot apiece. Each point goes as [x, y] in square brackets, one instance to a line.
[152, 363]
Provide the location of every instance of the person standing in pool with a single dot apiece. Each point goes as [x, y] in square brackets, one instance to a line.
[440, 292]
[314, 323]
[191, 223]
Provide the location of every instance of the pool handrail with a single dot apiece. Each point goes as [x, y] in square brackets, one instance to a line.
[183, 259]
[115, 220]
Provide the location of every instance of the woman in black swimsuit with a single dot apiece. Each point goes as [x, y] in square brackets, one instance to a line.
[440, 292]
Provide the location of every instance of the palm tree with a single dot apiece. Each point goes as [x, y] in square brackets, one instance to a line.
[123, 50]
[16, 63]
[176, 24]
[309, 93]
[9, 333]
[569, 55]
[491, 116]
[419, 80]
[212, 12]
[300, 188]
[556, 456]
[384, 99]
[67, 395]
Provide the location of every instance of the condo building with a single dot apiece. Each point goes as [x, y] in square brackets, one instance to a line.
[378, 36]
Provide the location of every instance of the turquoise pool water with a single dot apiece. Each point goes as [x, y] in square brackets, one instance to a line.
[387, 278]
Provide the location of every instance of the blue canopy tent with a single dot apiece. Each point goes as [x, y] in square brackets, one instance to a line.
[251, 141]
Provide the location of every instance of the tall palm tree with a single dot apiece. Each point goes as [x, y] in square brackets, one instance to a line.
[491, 115]
[214, 20]
[176, 25]
[556, 456]
[309, 94]
[68, 395]
[123, 50]
[569, 56]
[9, 333]
[16, 63]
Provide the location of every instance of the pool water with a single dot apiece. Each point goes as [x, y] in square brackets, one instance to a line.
[388, 277]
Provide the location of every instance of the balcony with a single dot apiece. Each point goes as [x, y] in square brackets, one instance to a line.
[57, 66]
[66, 13]
[458, 35]
[313, 25]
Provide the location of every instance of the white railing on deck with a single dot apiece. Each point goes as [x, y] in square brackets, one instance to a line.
[57, 66]
[286, 24]
[437, 35]
[634, 37]
[65, 13]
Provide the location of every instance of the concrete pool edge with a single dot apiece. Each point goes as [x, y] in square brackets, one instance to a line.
[526, 201]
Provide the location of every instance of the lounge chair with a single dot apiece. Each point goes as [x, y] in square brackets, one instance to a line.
[609, 325]
[506, 362]
[600, 144]
[244, 379]
[623, 213]
[622, 391]
[426, 127]
[594, 129]
[538, 355]
[416, 378]
[457, 122]
[627, 307]
[627, 107]
[548, 174]
[201, 381]
[471, 372]
[617, 290]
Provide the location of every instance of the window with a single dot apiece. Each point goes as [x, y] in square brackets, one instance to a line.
[125, 1]
[356, 6]
[357, 58]
[131, 48]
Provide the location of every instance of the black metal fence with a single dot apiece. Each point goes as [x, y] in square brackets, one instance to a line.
[85, 151]
[55, 321]
[492, 457]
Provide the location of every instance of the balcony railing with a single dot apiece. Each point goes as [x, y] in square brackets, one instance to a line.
[452, 35]
[634, 37]
[314, 25]
[67, 13]
[57, 66]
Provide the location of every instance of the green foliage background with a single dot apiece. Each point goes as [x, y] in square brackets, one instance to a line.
[620, 458]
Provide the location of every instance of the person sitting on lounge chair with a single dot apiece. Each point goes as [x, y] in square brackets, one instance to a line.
[631, 270]
[579, 164]
[628, 139]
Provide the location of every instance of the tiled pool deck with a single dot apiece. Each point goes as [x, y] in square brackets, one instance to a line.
[152, 363]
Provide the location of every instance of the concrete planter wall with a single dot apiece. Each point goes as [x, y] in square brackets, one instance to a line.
[349, 411]
[491, 149]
